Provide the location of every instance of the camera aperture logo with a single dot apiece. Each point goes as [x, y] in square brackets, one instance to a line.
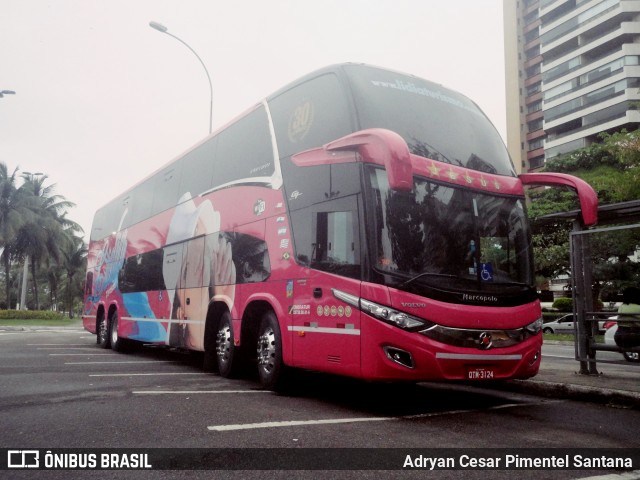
[23, 459]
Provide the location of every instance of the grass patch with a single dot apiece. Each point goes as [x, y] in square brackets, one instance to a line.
[568, 337]
[38, 322]
[562, 337]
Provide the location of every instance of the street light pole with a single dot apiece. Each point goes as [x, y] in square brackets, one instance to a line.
[161, 28]
[6, 92]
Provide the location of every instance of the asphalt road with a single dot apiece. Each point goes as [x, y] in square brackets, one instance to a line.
[58, 390]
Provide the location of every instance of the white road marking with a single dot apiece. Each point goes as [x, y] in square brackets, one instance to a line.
[81, 354]
[66, 348]
[616, 476]
[117, 362]
[144, 374]
[193, 392]
[56, 331]
[292, 423]
[57, 345]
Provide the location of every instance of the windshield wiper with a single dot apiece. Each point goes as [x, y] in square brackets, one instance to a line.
[426, 274]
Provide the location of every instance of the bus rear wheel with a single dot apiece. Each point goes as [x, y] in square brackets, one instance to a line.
[117, 343]
[102, 333]
[226, 351]
[271, 369]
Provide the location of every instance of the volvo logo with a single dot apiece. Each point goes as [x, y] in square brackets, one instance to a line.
[413, 305]
[484, 340]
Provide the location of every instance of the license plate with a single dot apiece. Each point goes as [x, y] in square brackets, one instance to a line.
[480, 374]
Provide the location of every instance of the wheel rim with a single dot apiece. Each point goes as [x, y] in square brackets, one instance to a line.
[267, 351]
[114, 329]
[632, 356]
[102, 331]
[224, 343]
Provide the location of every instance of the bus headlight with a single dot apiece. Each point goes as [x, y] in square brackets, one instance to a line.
[381, 312]
[535, 327]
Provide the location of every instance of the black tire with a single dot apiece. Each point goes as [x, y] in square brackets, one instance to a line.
[102, 333]
[547, 330]
[117, 343]
[631, 357]
[227, 354]
[210, 361]
[271, 369]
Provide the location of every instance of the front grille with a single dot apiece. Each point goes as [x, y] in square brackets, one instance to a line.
[480, 339]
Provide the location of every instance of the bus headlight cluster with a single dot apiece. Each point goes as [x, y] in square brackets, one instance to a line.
[381, 312]
[392, 316]
[535, 327]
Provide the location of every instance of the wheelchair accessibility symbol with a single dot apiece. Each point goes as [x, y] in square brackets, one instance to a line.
[486, 272]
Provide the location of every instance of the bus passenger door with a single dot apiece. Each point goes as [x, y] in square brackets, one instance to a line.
[326, 331]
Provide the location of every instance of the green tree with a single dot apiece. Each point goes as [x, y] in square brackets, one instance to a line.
[42, 237]
[15, 211]
[74, 262]
[612, 168]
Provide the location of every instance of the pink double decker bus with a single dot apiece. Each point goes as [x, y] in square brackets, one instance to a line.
[359, 221]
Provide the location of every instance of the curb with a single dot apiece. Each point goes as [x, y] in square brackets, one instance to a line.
[568, 391]
[40, 328]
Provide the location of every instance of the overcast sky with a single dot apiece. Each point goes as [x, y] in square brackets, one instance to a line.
[102, 100]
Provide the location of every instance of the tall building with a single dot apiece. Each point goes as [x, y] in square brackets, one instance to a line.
[572, 72]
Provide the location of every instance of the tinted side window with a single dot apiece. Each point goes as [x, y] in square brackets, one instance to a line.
[305, 186]
[88, 284]
[327, 238]
[165, 188]
[100, 227]
[197, 170]
[310, 115]
[109, 217]
[138, 204]
[244, 149]
[141, 273]
[249, 254]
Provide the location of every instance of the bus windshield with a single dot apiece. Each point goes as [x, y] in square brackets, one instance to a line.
[436, 122]
[451, 238]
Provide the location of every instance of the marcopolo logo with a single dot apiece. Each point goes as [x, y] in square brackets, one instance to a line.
[479, 298]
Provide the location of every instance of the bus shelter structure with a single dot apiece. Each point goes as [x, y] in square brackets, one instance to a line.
[616, 217]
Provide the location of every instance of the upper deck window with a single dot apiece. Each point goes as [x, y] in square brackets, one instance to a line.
[435, 122]
[310, 114]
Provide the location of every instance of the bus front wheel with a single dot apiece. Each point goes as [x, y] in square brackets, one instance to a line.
[271, 369]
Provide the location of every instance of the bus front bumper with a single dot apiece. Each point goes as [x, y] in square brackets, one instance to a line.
[394, 354]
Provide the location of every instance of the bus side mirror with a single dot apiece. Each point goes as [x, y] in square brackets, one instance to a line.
[586, 194]
[375, 145]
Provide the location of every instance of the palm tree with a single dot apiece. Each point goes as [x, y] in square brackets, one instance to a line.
[74, 261]
[54, 276]
[15, 211]
[43, 237]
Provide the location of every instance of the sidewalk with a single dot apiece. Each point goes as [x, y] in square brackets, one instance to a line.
[610, 386]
